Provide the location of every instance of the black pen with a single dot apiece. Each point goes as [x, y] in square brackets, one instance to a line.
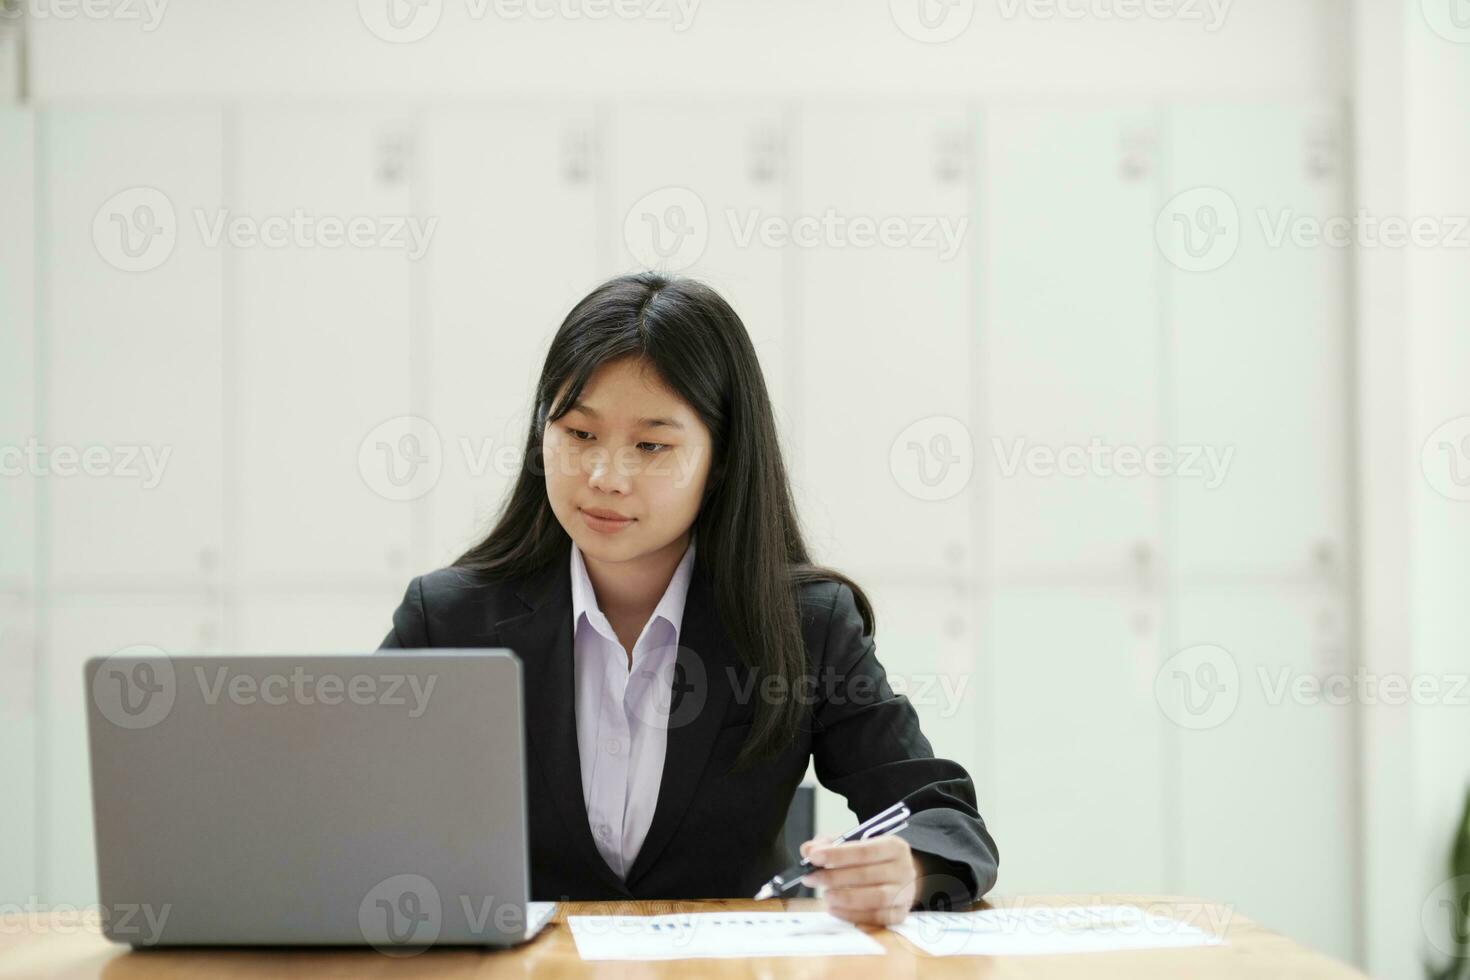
[890, 821]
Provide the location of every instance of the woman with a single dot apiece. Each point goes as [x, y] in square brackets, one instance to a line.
[682, 657]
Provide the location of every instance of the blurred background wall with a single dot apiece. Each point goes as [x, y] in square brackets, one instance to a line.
[1155, 464]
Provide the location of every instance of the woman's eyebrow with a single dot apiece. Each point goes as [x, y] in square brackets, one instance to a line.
[649, 423]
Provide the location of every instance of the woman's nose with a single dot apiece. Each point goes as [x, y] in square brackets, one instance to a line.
[607, 472]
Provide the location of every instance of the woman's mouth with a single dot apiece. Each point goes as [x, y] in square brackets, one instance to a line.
[604, 521]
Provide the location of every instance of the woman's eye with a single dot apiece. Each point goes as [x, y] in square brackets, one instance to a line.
[581, 435]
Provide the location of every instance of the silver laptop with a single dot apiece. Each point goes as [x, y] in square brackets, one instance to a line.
[311, 800]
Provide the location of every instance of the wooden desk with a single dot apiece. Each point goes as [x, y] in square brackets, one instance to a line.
[36, 946]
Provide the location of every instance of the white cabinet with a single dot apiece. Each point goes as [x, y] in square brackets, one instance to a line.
[321, 342]
[80, 627]
[132, 347]
[1259, 362]
[884, 253]
[1264, 777]
[18, 864]
[1071, 339]
[933, 299]
[1078, 740]
[515, 192]
[693, 192]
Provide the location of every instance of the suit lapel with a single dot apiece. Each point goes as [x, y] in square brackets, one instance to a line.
[542, 639]
[700, 694]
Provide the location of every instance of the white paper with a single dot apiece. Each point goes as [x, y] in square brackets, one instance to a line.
[720, 935]
[1041, 930]
[537, 915]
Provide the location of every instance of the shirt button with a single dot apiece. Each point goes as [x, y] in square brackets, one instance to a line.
[612, 746]
[602, 832]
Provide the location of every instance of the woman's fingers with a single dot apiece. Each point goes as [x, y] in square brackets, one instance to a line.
[822, 840]
[872, 881]
[856, 874]
[848, 853]
[865, 898]
[871, 904]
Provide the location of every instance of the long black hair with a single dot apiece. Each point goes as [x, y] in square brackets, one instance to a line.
[750, 543]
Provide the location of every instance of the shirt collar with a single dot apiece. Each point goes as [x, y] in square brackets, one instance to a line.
[670, 606]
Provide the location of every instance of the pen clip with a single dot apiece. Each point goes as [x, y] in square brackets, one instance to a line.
[884, 830]
[890, 820]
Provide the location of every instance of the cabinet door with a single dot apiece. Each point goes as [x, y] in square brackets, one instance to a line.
[515, 192]
[926, 642]
[1265, 786]
[1259, 336]
[885, 448]
[132, 344]
[79, 627]
[692, 187]
[1078, 740]
[322, 343]
[18, 864]
[1071, 339]
[18, 482]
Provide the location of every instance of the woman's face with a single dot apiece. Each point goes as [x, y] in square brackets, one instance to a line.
[630, 449]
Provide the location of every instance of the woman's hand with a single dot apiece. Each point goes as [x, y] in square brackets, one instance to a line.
[870, 881]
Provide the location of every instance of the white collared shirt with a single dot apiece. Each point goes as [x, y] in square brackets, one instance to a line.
[622, 714]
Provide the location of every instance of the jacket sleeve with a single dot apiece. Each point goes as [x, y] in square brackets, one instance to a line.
[867, 746]
[410, 626]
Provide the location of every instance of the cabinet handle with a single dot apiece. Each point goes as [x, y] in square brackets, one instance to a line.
[1136, 153]
[951, 156]
[395, 151]
[764, 154]
[577, 150]
[1322, 150]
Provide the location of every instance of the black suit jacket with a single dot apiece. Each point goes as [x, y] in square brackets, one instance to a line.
[715, 833]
